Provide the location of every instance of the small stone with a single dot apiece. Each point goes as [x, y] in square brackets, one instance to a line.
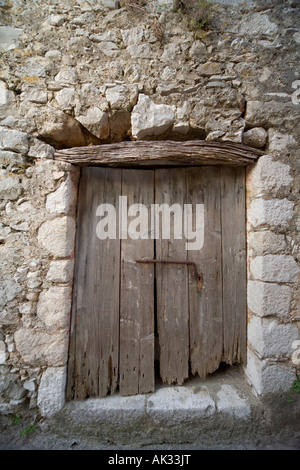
[65, 99]
[60, 271]
[26, 308]
[51, 393]
[257, 24]
[56, 20]
[53, 54]
[96, 121]
[141, 51]
[10, 187]
[63, 200]
[108, 36]
[10, 159]
[7, 100]
[3, 352]
[35, 94]
[39, 149]
[231, 403]
[171, 52]
[280, 142]
[198, 50]
[9, 38]
[67, 76]
[209, 68]
[42, 349]
[132, 36]
[255, 137]
[54, 306]
[29, 385]
[57, 236]
[13, 140]
[110, 49]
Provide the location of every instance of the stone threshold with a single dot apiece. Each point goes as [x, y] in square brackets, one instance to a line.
[219, 409]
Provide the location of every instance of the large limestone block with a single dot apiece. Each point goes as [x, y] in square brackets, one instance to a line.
[150, 119]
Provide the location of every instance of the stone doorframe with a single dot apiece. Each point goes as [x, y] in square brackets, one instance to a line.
[271, 274]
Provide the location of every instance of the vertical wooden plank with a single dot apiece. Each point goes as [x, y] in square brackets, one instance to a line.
[172, 283]
[137, 291]
[234, 264]
[203, 187]
[96, 290]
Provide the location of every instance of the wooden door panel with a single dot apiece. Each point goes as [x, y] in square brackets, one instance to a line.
[94, 345]
[172, 283]
[234, 264]
[206, 342]
[137, 293]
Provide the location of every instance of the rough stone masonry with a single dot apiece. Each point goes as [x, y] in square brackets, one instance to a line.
[80, 72]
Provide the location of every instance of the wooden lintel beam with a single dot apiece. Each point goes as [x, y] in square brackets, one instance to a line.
[134, 153]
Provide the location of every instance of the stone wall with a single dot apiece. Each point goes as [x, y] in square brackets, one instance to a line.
[80, 72]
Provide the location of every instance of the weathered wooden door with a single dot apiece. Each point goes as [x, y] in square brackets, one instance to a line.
[136, 278]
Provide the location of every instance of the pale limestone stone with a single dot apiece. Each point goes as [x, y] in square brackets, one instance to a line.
[149, 119]
[198, 50]
[111, 4]
[54, 306]
[67, 76]
[9, 38]
[53, 54]
[36, 94]
[51, 393]
[271, 339]
[273, 212]
[171, 52]
[10, 187]
[58, 235]
[258, 24]
[16, 141]
[56, 20]
[141, 51]
[279, 141]
[26, 308]
[7, 100]
[182, 399]
[268, 378]
[266, 299]
[10, 159]
[231, 403]
[60, 271]
[39, 149]
[42, 349]
[65, 99]
[266, 242]
[274, 268]
[268, 175]
[132, 36]
[110, 49]
[30, 385]
[3, 352]
[63, 200]
[95, 121]
[107, 36]
[118, 96]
